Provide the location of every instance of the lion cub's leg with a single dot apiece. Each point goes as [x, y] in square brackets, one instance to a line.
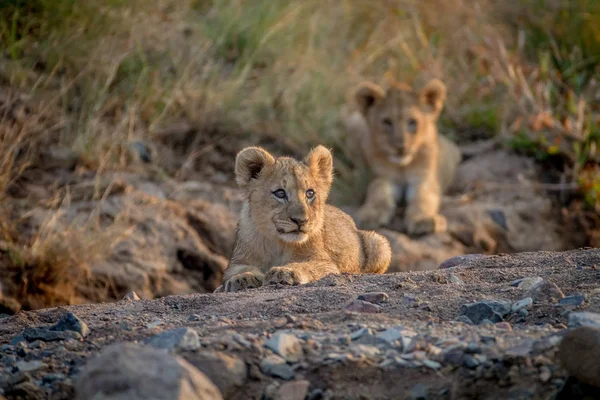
[301, 272]
[379, 206]
[422, 211]
[239, 277]
[378, 253]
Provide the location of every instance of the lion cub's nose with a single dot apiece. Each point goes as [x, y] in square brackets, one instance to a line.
[299, 221]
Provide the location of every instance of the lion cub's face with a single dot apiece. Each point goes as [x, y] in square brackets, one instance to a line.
[287, 197]
[400, 119]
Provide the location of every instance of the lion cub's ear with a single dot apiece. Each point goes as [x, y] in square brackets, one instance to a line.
[367, 94]
[320, 162]
[433, 95]
[248, 164]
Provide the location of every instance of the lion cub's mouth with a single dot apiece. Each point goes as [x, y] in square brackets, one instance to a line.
[401, 160]
[294, 236]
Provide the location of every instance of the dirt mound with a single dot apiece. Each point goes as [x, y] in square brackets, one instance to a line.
[453, 333]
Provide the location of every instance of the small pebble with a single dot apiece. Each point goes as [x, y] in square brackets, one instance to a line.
[374, 297]
[360, 306]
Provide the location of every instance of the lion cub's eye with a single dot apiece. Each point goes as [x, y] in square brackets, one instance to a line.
[387, 123]
[412, 125]
[280, 194]
[310, 194]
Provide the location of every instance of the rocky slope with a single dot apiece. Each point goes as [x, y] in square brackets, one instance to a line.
[478, 327]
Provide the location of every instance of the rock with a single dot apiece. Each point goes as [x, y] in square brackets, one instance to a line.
[70, 322]
[286, 345]
[575, 300]
[470, 361]
[544, 292]
[505, 326]
[374, 297]
[227, 372]
[459, 260]
[194, 317]
[418, 392]
[296, 390]
[359, 333]
[30, 366]
[455, 279]
[131, 296]
[480, 311]
[528, 283]
[276, 366]
[31, 334]
[579, 353]
[577, 319]
[390, 335]
[432, 364]
[464, 319]
[27, 390]
[360, 306]
[523, 313]
[126, 371]
[154, 324]
[316, 394]
[185, 339]
[521, 304]
[364, 349]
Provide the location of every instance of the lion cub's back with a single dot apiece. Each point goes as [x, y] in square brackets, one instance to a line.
[341, 240]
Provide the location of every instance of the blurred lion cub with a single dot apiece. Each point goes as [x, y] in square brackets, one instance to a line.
[287, 233]
[397, 132]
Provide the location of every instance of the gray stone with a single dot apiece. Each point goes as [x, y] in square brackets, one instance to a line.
[432, 364]
[455, 279]
[276, 366]
[523, 313]
[418, 392]
[154, 324]
[359, 333]
[522, 304]
[584, 319]
[544, 292]
[390, 335]
[227, 372]
[364, 349]
[374, 297]
[360, 306]
[194, 317]
[575, 300]
[31, 334]
[185, 339]
[296, 390]
[286, 345]
[30, 366]
[528, 283]
[70, 322]
[126, 371]
[470, 361]
[480, 311]
[458, 261]
[464, 319]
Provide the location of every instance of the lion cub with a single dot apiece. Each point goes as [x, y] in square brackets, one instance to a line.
[396, 130]
[287, 233]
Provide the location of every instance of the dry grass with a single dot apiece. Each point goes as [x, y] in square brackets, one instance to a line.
[99, 77]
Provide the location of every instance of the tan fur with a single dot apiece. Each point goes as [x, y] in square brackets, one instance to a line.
[396, 130]
[274, 246]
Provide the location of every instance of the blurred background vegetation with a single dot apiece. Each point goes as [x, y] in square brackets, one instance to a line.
[100, 77]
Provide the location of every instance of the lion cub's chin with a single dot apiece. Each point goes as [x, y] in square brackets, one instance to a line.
[401, 160]
[294, 237]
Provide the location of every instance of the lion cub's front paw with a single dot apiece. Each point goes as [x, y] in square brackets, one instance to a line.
[247, 280]
[285, 276]
[370, 219]
[426, 225]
